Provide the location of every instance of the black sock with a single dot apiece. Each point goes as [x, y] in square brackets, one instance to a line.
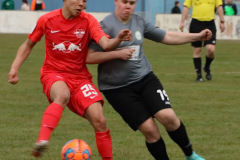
[208, 63]
[158, 150]
[198, 65]
[180, 137]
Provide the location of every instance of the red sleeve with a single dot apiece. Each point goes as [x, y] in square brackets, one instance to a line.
[96, 31]
[38, 31]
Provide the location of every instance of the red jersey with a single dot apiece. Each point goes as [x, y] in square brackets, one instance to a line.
[66, 41]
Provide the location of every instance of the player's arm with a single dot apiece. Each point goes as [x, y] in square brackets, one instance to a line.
[235, 9]
[184, 17]
[175, 38]
[221, 17]
[110, 44]
[22, 54]
[96, 57]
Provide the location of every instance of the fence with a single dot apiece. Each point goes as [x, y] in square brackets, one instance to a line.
[24, 22]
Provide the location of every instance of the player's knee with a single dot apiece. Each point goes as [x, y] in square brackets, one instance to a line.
[151, 135]
[170, 120]
[150, 131]
[197, 52]
[210, 52]
[62, 98]
[99, 124]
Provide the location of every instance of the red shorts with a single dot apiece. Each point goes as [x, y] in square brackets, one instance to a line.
[83, 91]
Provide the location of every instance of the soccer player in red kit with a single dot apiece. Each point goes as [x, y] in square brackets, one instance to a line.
[65, 78]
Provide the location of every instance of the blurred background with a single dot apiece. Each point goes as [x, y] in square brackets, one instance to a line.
[147, 7]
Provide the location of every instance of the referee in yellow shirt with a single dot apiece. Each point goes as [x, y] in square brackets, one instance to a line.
[203, 14]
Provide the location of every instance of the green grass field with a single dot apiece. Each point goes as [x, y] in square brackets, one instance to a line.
[210, 110]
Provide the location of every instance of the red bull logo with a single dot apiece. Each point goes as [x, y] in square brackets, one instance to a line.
[67, 47]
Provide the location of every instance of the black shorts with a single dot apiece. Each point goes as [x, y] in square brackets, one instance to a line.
[139, 101]
[197, 26]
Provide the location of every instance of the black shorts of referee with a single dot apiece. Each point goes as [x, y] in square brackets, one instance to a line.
[197, 26]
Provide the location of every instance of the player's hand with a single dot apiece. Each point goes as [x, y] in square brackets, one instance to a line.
[181, 26]
[205, 35]
[125, 35]
[125, 53]
[222, 27]
[13, 76]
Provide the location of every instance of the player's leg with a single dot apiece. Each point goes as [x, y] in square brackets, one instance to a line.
[159, 105]
[129, 103]
[154, 141]
[59, 96]
[210, 51]
[88, 103]
[209, 58]
[177, 132]
[94, 114]
[175, 129]
[210, 47]
[197, 61]
[196, 27]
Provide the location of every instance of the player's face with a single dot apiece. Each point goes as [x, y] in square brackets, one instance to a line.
[124, 8]
[73, 8]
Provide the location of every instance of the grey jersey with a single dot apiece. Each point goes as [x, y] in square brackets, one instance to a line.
[119, 73]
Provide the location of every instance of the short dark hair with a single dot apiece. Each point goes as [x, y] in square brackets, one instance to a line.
[25, 1]
[176, 2]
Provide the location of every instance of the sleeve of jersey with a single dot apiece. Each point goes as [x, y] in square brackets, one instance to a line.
[153, 32]
[235, 9]
[218, 3]
[188, 3]
[38, 31]
[96, 31]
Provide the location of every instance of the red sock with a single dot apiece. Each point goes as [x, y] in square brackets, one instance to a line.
[104, 144]
[50, 119]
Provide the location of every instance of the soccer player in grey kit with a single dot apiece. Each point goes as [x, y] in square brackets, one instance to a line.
[127, 81]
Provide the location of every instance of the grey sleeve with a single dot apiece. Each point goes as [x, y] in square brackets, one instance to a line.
[94, 46]
[153, 32]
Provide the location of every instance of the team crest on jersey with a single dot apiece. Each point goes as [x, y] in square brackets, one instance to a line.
[138, 35]
[79, 33]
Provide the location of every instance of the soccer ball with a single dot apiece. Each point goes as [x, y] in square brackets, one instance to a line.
[76, 149]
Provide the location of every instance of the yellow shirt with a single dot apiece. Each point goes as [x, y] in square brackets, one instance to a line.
[203, 10]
